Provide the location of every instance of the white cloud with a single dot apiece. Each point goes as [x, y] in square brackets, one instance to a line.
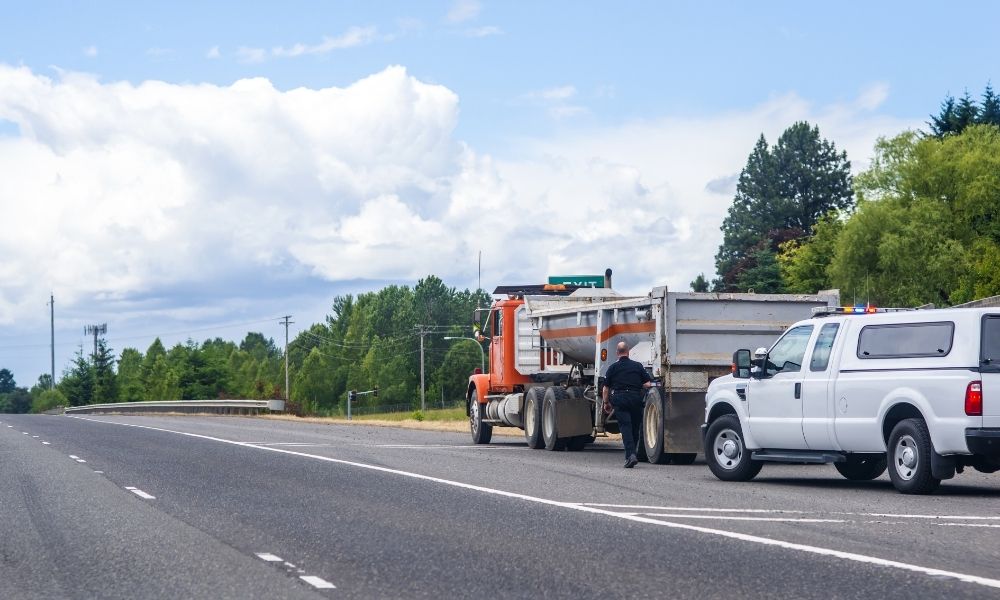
[873, 96]
[556, 101]
[485, 31]
[213, 53]
[463, 10]
[355, 36]
[159, 191]
[562, 92]
[90, 51]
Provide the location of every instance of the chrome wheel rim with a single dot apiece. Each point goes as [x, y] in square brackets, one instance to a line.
[651, 429]
[474, 419]
[548, 420]
[906, 457]
[727, 449]
[529, 416]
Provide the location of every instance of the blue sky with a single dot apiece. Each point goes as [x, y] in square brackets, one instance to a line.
[174, 167]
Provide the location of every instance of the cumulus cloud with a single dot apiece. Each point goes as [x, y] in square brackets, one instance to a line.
[90, 51]
[213, 53]
[189, 197]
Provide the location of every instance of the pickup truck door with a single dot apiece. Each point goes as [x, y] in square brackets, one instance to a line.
[817, 408]
[774, 402]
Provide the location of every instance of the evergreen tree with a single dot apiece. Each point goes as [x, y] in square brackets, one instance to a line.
[7, 383]
[78, 381]
[782, 192]
[966, 112]
[105, 380]
[130, 387]
[989, 110]
[700, 284]
[946, 121]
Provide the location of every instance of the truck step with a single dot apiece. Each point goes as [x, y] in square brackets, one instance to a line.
[798, 456]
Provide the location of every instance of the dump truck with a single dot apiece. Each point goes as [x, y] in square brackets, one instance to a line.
[550, 346]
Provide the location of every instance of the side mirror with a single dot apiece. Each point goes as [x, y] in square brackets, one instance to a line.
[741, 364]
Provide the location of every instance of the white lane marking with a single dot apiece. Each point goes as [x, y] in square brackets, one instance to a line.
[34, 436]
[851, 556]
[25, 432]
[699, 509]
[80, 460]
[268, 557]
[731, 518]
[640, 507]
[447, 446]
[287, 444]
[968, 525]
[46, 443]
[318, 583]
[74, 457]
[140, 493]
[101, 472]
[11, 426]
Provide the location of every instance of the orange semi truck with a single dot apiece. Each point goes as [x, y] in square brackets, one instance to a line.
[550, 345]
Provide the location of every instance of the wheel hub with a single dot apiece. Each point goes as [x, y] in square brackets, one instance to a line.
[730, 449]
[909, 458]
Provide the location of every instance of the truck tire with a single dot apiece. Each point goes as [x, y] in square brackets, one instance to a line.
[533, 418]
[909, 457]
[725, 452]
[652, 428]
[550, 420]
[862, 467]
[481, 432]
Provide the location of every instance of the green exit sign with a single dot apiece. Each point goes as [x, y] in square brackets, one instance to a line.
[596, 281]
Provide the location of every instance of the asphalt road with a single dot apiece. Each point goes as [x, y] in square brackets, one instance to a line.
[217, 507]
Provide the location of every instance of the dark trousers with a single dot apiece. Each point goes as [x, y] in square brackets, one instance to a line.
[628, 410]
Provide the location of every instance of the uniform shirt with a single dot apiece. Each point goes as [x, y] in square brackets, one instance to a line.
[626, 375]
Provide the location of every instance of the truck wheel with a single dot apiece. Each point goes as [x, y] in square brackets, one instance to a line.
[550, 422]
[652, 428]
[481, 432]
[683, 458]
[726, 454]
[909, 457]
[862, 467]
[533, 418]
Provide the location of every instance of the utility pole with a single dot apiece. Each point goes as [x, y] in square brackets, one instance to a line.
[52, 332]
[286, 323]
[422, 333]
[96, 330]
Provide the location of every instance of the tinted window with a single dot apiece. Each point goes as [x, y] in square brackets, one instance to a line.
[906, 340]
[786, 356]
[824, 343]
[991, 342]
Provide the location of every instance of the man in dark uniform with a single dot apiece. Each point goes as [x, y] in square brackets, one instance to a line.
[626, 380]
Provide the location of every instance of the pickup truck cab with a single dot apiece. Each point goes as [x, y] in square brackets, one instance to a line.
[917, 391]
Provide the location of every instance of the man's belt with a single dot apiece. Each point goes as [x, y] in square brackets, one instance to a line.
[625, 390]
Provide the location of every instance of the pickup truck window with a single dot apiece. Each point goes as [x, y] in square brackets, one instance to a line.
[906, 340]
[824, 343]
[990, 358]
[786, 355]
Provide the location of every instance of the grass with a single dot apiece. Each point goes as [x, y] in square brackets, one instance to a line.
[433, 414]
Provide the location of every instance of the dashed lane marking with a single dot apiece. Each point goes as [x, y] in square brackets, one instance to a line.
[140, 493]
[34, 436]
[269, 557]
[317, 582]
[47, 444]
[733, 535]
[74, 457]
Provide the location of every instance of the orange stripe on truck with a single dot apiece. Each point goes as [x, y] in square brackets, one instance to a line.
[568, 332]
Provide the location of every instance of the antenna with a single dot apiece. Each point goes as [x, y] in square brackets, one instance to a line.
[95, 330]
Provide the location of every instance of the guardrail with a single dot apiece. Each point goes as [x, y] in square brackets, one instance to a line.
[222, 407]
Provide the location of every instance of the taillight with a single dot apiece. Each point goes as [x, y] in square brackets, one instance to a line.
[732, 368]
[974, 399]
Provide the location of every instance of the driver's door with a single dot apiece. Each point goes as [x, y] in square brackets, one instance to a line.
[774, 401]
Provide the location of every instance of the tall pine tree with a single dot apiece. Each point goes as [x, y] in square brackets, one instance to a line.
[782, 192]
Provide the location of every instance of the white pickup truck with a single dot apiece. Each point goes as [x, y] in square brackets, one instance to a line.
[863, 388]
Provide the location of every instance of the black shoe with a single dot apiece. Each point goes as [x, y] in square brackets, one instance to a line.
[631, 462]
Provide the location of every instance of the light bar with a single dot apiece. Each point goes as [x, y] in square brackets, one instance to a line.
[860, 309]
